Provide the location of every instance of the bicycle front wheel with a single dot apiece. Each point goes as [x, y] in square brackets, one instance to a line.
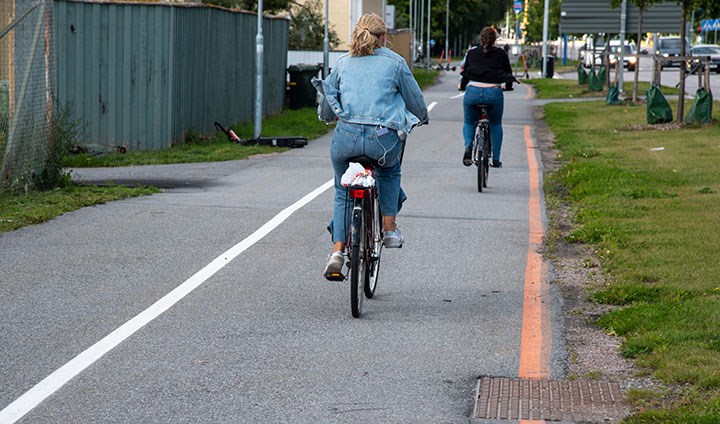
[375, 245]
[358, 270]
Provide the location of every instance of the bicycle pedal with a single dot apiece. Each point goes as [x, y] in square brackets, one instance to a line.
[334, 276]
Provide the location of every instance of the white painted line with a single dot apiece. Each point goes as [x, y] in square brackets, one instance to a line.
[459, 95]
[33, 397]
[431, 106]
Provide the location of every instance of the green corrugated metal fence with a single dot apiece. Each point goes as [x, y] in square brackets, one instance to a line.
[140, 75]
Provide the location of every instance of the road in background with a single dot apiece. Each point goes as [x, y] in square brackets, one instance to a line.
[669, 77]
[265, 338]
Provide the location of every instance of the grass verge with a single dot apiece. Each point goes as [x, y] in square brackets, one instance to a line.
[648, 201]
[425, 78]
[213, 147]
[34, 207]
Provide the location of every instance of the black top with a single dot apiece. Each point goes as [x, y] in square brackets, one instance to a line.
[493, 67]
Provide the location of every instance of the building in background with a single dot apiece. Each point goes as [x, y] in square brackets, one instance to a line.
[343, 15]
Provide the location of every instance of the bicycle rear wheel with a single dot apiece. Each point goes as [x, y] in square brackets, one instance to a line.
[487, 152]
[358, 268]
[375, 245]
[480, 158]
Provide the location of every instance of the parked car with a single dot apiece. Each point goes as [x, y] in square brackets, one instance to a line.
[670, 47]
[629, 59]
[711, 50]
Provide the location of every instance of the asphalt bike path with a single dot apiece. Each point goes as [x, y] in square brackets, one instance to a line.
[253, 332]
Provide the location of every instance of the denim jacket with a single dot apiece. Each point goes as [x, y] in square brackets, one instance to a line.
[376, 89]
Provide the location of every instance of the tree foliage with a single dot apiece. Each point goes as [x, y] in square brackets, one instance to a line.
[307, 24]
[535, 11]
[466, 17]
[307, 27]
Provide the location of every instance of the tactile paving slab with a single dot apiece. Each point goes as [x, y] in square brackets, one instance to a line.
[580, 401]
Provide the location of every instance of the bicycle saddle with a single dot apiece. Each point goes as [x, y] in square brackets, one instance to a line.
[486, 107]
[365, 161]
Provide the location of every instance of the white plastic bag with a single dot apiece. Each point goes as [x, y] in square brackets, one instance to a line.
[357, 175]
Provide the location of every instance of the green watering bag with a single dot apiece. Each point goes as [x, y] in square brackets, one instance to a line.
[594, 82]
[602, 73]
[701, 110]
[658, 109]
[582, 75]
[613, 97]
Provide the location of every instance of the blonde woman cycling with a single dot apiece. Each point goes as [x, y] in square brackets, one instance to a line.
[377, 101]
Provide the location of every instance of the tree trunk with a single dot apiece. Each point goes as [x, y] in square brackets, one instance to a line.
[637, 56]
[683, 70]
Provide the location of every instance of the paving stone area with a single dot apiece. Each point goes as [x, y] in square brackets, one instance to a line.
[579, 401]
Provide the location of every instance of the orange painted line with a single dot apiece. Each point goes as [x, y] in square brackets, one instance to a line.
[530, 93]
[534, 354]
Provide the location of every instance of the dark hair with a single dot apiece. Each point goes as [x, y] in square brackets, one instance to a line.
[487, 38]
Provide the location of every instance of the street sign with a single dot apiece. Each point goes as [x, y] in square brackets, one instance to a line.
[517, 6]
[390, 16]
[710, 25]
[593, 16]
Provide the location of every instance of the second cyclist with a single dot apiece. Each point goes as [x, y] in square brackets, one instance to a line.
[486, 70]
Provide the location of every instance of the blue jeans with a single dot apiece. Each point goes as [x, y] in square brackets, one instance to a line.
[489, 96]
[350, 140]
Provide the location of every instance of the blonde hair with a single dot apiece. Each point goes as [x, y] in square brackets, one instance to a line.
[366, 35]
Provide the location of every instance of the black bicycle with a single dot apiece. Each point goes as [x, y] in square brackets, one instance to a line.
[482, 143]
[482, 146]
[365, 239]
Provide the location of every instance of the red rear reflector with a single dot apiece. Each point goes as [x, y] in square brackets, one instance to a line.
[358, 194]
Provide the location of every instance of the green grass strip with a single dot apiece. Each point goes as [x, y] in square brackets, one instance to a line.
[17, 211]
[648, 200]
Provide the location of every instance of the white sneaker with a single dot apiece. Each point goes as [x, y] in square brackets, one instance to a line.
[393, 239]
[333, 269]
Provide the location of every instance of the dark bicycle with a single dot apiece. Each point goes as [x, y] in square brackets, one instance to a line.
[365, 239]
[482, 143]
[482, 146]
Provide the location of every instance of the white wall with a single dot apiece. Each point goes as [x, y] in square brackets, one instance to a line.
[296, 57]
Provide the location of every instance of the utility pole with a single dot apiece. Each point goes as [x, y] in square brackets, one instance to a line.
[621, 53]
[428, 38]
[326, 43]
[259, 42]
[420, 24]
[412, 34]
[447, 32]
[546, 20]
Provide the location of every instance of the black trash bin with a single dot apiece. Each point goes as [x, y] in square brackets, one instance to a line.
[550, 66]
[301, 91]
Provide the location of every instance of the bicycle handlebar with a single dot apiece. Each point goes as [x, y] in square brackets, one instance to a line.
[508, 85]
